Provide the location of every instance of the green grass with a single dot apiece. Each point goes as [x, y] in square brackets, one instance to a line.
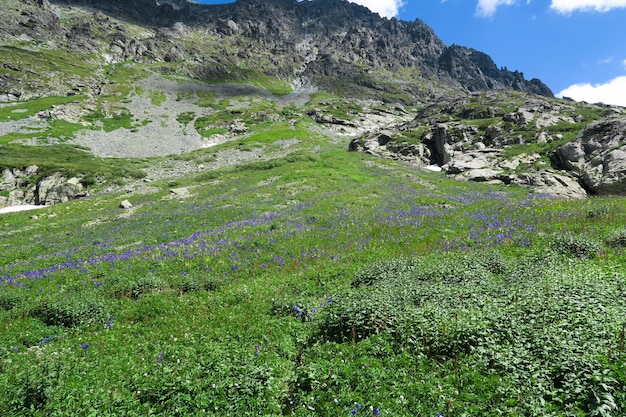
[320, 282]
[427, 296]
[186, 118]
[274, 85]
[69, 160]
[25, 109]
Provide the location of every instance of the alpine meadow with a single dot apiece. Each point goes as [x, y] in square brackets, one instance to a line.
[282, 208]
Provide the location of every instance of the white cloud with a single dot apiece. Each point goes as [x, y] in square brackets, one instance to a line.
[569, 6]
[612, 92]
[487, 8]
[385, 8]
[624, 63]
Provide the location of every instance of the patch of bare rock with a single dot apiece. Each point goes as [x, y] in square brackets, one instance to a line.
[26, 187]
[593, 164]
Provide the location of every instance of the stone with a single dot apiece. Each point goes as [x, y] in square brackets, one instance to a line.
[181, 192]
[571, 156]
[598, 157]
[126, 205]
[57, 189]
[522, 117]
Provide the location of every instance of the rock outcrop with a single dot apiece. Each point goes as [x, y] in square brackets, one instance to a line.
[598, 157]
[27, 187]
[479, 139]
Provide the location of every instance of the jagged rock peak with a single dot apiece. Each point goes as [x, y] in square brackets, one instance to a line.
[323, 40]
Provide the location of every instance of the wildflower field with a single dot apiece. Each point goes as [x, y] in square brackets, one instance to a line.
[331, 285]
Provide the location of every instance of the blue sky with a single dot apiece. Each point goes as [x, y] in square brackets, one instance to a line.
[577, 47]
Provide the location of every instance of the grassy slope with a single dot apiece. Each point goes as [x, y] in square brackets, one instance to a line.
[201, 294]
[305, 286]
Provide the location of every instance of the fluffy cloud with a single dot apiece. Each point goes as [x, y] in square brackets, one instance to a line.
[487, 8]
[569, 6]
[612, 92]
[385, 8]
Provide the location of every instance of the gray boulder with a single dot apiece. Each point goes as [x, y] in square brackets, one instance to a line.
[57, 189]
[24, 187]
[598, 157]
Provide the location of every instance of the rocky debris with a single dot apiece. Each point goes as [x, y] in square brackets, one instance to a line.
[27, 187]
[450, 141]
[598, 157]
[479, 165]
[381, 144]
[236, 126]
[28, 21]
[180, 193]
[5, 97]
[470, 163]
[320, 117]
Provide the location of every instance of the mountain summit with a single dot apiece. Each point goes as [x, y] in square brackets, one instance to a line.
[335, 44]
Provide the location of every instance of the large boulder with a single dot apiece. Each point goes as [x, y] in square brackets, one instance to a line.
[27, 187]
[598, 157]
[58, 189]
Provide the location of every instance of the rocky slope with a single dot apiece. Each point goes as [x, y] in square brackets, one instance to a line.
[552, 146]
[333, 44]
[128, 78]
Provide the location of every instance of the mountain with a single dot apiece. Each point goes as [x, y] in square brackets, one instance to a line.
[97, 92]
[334, 44]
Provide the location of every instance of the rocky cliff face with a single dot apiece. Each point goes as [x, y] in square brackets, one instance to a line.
[331, 43]
[597, 158]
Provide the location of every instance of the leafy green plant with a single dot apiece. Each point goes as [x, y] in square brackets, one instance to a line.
[11, 297]
[70, 309]
[135, 286]
[598, 212]
[577, 245]
[617, 238]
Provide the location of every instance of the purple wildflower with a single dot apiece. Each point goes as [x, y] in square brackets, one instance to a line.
[45, 340]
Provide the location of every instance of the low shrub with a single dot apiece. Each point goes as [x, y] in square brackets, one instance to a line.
[11, 297]
[598, 212]
[190, 283]
[134, 287]
[388, 293]
[577, 245]
[617, 238]
[70, 309]
[381, 270]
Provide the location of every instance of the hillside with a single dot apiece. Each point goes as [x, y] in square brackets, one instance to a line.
[286, 208]
[135, 79]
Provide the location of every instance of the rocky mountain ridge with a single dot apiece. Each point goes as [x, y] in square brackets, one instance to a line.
[333, 44]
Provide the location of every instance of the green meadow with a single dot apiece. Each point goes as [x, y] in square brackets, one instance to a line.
[332, 284]
[318, 282]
